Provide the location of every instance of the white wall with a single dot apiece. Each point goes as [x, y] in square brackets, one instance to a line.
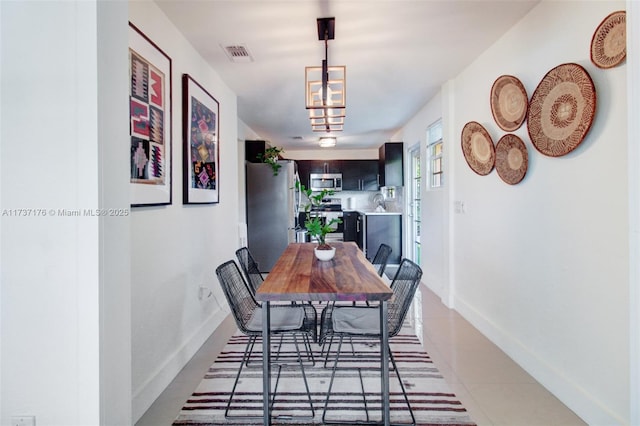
[115, 264]
[434, 232]
[331, 154]
[633, 95]
[65, 284]
[175, 249]
[542, 267]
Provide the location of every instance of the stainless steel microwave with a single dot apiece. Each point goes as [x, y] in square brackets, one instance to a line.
[320, 181]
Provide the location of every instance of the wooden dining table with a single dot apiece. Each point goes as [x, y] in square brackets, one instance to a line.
[298, 276]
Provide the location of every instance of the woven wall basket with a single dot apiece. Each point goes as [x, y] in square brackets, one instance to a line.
[478, 148]
[561, 110]
[512, 159]
[509, 102]
[609, 41]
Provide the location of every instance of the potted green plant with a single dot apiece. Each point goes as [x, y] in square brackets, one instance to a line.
[270, 157]
[316, 226]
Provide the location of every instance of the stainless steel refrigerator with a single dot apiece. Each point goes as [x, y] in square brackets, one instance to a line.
[271, 211]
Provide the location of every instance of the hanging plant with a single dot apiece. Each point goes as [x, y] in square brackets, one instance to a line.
[270, 157]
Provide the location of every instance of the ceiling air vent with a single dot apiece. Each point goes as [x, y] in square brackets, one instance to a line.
[238, 53]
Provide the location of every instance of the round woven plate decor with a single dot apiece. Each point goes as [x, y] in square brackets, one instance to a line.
[512, 159]
[609, 41]
[561, 110]
[508, 102]
[478, 148]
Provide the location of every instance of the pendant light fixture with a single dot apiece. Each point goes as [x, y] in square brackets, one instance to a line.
[325, 86]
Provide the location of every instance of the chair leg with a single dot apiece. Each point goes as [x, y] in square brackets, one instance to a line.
[306, 385]
[364, 396]
[307, 345]
[245, 362]
[304, 376]
[310, 358]
[333, 374]
[245, 359]
[404, 392]
[253, 339]
[251, 343]
[366, 408]
[326, 355]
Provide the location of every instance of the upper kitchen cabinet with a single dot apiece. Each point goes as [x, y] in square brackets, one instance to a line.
[391, 164]
[254, 148]
[359, 175]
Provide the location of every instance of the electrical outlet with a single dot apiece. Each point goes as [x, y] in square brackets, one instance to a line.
[204, 292]
[23, 420]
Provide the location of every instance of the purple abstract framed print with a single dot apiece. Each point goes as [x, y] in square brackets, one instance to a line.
[201, 126]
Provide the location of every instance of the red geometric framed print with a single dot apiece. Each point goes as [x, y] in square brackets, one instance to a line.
[149, 121]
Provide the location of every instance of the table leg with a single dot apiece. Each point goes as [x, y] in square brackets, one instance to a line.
[384, 359]
[266, 363]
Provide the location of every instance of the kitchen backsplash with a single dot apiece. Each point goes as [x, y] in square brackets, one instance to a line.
[363, 200]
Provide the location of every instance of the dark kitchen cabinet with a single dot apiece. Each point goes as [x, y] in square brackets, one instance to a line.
[360, 221]
[303, 171]
[359, 175]
[378, 229]
[391, 164]
[252, 149]
[350, 232]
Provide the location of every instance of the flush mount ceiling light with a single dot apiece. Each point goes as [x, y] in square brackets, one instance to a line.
[328, 142]
[325, 86]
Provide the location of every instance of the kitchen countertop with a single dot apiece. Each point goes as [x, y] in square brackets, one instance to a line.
[373, 212]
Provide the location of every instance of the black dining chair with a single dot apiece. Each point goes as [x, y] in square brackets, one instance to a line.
[380, 262]
[381, 258]
[292, 320]
[363, 322]
[255, 278]
[250, 268]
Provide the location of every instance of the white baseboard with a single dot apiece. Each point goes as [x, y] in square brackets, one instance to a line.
[585, 405]
[146, 394]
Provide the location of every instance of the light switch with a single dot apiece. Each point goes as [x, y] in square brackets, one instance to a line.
[23, 420]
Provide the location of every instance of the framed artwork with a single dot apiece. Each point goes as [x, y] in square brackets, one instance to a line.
[201, 126]
[149, 121]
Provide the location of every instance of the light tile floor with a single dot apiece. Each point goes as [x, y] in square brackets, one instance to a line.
[493, 388]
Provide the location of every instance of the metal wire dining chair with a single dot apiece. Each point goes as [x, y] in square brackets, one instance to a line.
[381, 258]
[380, 262]
[250, 268]
[363, 322]
[293, 320]
[254, 277]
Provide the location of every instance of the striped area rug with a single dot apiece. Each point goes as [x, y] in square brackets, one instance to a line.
[431, 399]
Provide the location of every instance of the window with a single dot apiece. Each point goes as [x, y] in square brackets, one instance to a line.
[414, 203]
[434, 154]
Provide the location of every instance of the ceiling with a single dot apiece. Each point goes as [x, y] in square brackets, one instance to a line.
[398, 53]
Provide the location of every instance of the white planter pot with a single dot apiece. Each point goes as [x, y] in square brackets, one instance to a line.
[325, 255]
